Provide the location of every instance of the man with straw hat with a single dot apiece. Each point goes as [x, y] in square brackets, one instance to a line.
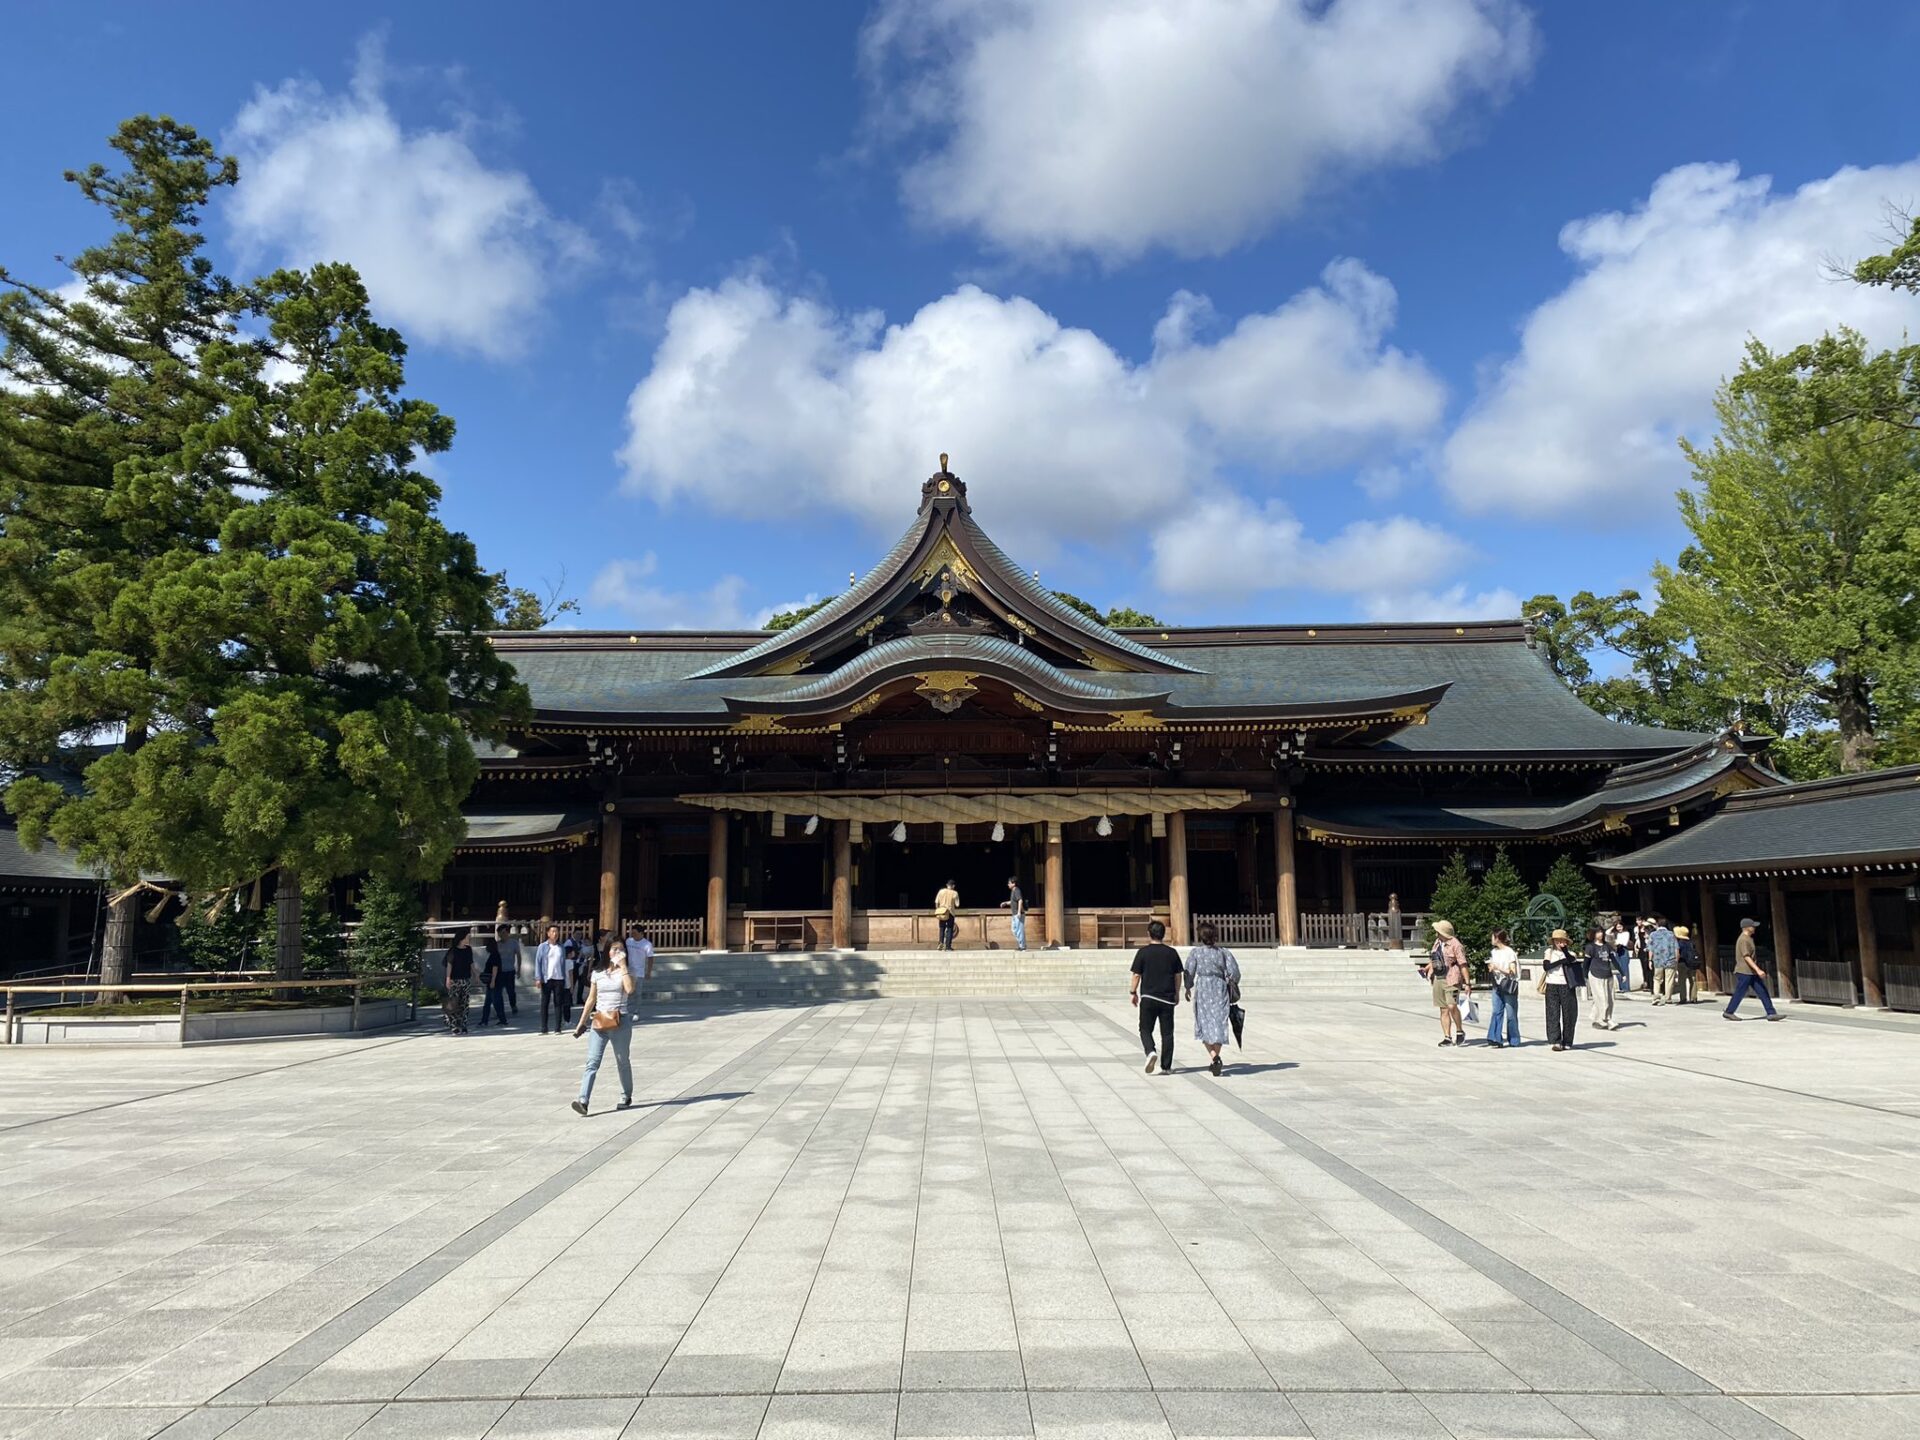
[1446, 970]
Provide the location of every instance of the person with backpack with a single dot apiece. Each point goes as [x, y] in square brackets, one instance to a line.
[1686, 971]
[1504, 966]
[1446, 971]
[1213, 984]
[1563, 970]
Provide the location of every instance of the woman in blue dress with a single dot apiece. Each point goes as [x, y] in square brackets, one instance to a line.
[1212, 977]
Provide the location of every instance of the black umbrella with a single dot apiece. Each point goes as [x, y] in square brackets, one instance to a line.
[1237, 1017]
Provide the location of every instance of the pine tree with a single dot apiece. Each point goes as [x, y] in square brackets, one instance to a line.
[1503, 902]
[1568, 884]
[388, 938]
[268, 603]
[96, 393]
[1457, 900]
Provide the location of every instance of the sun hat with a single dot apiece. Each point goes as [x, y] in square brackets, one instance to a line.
[1561, 935]
[1443, 928]
[1680, 932]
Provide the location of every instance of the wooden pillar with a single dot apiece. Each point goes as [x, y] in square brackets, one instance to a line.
[1246, 862]
[717, 880]
[843, 884]
[547, 887]
[1782, 941]
[613, 831]
[1179, 912]
[1286, 882]
[646, 844]
[1349, 887]
[62, 929]
[1056, 884]
[1869, 942]
[1709, 938]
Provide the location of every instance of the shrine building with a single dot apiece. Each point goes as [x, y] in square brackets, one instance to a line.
[949, 718]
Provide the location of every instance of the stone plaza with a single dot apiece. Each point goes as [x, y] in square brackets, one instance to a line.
[951, 1217]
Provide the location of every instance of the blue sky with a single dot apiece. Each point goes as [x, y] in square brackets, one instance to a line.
[1253, 311]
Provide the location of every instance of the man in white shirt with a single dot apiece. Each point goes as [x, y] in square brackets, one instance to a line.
[639, 963]
[553, 968]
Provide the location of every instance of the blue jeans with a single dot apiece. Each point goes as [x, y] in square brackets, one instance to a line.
[1506, 1009]
[1744, 982]
[496, 1005]
[621, 1039]
[1623, 962]
[1019, 923]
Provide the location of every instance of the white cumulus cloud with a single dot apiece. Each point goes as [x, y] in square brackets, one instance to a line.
[1229, 546]
[1609, 372]
[1116, 126]
[760, 402]
[453, 250]
[631, 591]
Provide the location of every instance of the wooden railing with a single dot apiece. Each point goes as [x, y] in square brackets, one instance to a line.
[667, 934]
[1240, 929]
[1368, 929]
[1348, 929]
[355, 983]
[677, 934]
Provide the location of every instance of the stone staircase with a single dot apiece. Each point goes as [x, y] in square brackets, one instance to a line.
[797, 978]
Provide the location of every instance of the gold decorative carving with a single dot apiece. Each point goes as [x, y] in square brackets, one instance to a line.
[1020, 624]
[946, 556]
[1137, 720]
[757, 725]
[868, 627]
[946, 690]
[1101, 662]
[1027, 700]
[866, 703]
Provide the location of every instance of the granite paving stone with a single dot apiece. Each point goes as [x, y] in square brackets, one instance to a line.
[951, 1217]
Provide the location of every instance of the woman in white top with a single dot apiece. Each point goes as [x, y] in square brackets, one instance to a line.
[1564, 969]
[1503, 967]
[606, 1013]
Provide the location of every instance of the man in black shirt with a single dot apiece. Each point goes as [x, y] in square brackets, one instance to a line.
[1156, 990]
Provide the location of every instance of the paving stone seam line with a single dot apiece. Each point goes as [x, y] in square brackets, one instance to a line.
[879, 1101]
[1045, 1019]
[841, 1025]
[1614, 1054]
[334, 1336]
[831, 1022]
[1666, 1374]
[356, 1051]
[986, 1154]
[798, 1150]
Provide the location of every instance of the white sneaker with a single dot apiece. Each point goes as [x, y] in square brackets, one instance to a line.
[1153, 1063]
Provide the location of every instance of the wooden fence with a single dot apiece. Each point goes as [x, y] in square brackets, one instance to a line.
[1240, 929]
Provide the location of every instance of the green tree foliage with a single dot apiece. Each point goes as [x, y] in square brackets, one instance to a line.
[1799, 586]
[1899, 268]
[517, 608]
[97, 393]
[232, 938]
[1567, 882]
[321, 947]
[1664, 682]
[389, 937]
[787, 619]
[1456, 899]
[274, 614]
[1503, 899]
[1119, 617]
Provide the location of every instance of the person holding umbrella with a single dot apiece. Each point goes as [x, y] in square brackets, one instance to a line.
[1213, 983]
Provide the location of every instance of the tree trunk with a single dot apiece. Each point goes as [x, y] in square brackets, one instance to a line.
[286, 914]
[1853, 710]
[116, 951]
